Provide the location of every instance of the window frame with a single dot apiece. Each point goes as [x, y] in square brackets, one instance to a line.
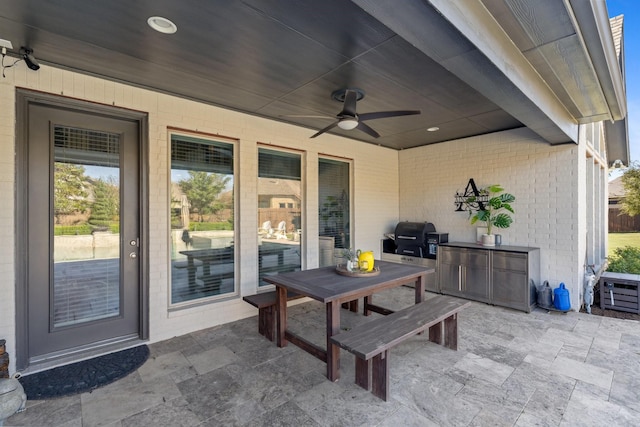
[301, 206]
[351, 195]
[212, 138]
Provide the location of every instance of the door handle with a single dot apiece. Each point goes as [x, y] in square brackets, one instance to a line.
[133, 255]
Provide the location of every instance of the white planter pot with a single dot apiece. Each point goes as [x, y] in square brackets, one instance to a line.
[12, 398]
[488, 240]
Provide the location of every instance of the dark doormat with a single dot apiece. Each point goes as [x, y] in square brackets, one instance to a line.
[83, 376]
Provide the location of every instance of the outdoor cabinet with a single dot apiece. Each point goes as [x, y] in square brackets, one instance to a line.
[500, 275]
[512, 283]
[464, 273]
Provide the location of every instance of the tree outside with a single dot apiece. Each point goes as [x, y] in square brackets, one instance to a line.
[71, 191]
[624, 252]
[106, 206]
[631, 182]
[203, 190]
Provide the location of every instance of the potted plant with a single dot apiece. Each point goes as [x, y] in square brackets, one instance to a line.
[493, 205]
[351, 259]
[332, 214]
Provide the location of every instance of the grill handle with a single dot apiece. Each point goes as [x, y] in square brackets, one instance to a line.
[406, 237]
[412, 252]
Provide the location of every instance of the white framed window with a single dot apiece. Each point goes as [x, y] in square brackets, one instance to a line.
[334, 207]
[202, 207]
[279, 212]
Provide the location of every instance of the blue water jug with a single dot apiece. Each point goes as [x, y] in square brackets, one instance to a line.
[561, 298]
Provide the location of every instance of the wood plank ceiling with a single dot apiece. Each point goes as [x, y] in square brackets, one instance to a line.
[272, 58]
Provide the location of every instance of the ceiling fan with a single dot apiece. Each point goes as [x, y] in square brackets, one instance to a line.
[348, 118]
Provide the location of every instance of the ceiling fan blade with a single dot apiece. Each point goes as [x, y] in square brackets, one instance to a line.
[366, 129]
[331, 126]
[350, 99]
[383, 114]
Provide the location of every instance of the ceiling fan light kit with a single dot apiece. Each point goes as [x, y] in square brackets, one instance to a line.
[348, 124]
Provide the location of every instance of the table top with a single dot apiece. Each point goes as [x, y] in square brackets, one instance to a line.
[325, 284]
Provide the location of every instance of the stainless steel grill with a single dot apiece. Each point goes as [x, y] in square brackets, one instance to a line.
[411, 238]
[408, 245]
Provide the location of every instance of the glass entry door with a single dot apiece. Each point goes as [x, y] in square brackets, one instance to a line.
[83, 231]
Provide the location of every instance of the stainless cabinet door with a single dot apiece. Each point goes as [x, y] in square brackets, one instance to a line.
[510, 289]
[449, 277]
[476, 275]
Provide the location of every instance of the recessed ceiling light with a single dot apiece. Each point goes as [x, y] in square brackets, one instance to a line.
[162, 25]
[433, 129]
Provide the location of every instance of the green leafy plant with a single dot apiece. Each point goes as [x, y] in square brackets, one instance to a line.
[334, 211]
[72, 230]
[631, 183]
[203, 192]
[495, 203]
[349, 254]
[209, 226]
[625, 260]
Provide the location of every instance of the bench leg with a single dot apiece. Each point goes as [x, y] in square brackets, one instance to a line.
[351, 305]
[451, 332]
[380, 375]
[435, 333]
[367, 300]
[446, 332]
[363, 369]
[266, 320]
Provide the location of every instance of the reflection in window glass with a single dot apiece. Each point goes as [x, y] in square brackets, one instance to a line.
[202, 219]
[333, 208]
[279, 190]
[86, 240]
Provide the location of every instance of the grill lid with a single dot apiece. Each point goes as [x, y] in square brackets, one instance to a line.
[413, 233]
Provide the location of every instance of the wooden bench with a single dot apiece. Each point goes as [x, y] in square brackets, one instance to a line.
[372, 341]
[265, 302]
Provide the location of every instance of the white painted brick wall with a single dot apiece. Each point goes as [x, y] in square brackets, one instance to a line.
[375, 175]
[7, 217]
[545, 180]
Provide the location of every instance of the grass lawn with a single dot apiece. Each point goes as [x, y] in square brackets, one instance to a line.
[619, 240]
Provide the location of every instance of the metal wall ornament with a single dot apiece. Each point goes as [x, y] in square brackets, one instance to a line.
[472, 199]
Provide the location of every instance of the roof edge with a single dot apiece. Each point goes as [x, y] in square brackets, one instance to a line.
[595, 28]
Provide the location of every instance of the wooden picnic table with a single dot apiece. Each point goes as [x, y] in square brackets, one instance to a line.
[327, 286]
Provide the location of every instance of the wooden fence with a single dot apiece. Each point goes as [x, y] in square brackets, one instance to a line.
[623, 223]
